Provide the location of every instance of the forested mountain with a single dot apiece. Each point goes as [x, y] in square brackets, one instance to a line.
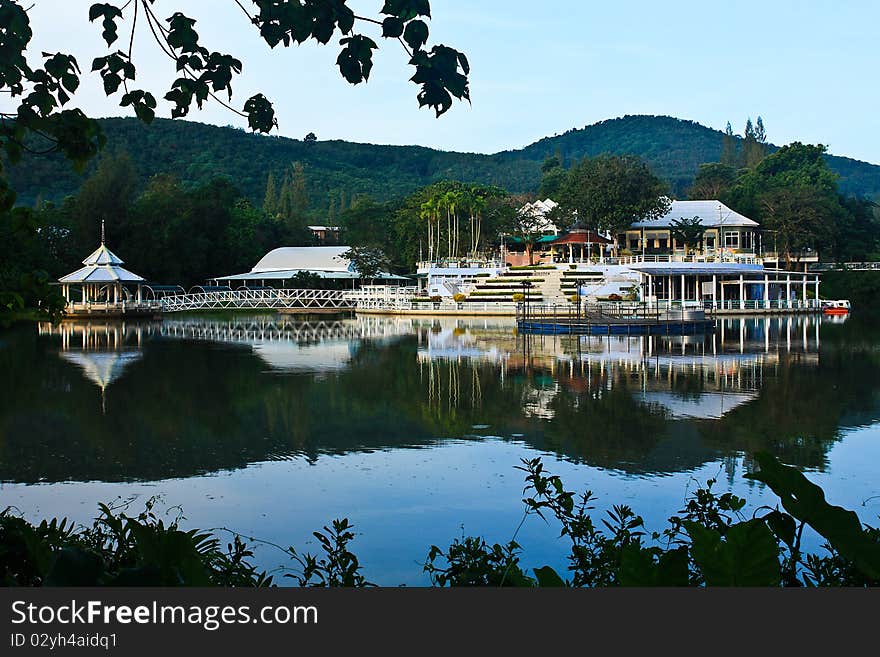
[337, 171]
[675, 149]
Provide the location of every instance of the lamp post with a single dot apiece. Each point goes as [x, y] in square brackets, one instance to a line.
[526, 285]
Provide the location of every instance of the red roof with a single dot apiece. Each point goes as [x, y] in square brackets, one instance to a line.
[577, 236]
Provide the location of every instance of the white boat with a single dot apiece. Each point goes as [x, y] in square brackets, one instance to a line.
[836, 306]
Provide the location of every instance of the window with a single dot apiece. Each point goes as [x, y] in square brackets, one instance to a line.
[731, 240]
[710, 241]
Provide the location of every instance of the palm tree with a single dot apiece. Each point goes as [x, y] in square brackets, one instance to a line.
[477, 203]
[429, 212]
[453, 200]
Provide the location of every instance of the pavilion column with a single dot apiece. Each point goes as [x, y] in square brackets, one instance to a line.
[804, 290]
[115, 294]
[766, 290]
[817, 291]
[714, 291]
[139, 296]
[721, 290]
[683, 291]
[742, 292]
[788, 291]
[570, 253]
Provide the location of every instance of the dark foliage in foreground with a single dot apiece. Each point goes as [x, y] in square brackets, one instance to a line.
[709, 543]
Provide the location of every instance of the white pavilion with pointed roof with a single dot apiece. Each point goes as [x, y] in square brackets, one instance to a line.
[102, 280]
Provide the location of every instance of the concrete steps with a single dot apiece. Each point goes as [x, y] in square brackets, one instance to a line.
[551, 288]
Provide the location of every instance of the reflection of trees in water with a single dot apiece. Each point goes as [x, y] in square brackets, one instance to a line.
[193, 407]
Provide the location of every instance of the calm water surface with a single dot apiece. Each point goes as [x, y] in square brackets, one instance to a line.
[412, 428]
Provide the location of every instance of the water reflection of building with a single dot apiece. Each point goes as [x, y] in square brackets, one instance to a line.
[291, 345]
[683, 376]
[103, 350]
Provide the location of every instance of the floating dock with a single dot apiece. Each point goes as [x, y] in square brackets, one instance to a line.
[638, 320]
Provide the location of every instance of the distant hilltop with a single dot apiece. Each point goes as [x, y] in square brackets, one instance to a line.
[196, 152]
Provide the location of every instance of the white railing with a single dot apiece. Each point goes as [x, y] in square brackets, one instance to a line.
[111, 307]
[259, 300]
[739, 258]
[464, 307]
[735, 304]
[383, 293]
[458, 263]
[279, 330]
[849, 266]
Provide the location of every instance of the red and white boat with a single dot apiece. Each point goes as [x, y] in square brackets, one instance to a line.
[838, 307]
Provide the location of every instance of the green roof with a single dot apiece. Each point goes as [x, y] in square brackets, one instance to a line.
[544, 239]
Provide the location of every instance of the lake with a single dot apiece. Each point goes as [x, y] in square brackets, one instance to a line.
[412, 428]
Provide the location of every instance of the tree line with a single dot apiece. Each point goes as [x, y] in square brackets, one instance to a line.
[173, 232]
[795, 196]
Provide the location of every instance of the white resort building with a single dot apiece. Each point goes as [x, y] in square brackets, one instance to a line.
[727, 269]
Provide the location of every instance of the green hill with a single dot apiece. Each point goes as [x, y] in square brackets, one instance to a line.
[195, 152]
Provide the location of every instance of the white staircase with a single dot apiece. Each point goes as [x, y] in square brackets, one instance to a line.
[551, 287]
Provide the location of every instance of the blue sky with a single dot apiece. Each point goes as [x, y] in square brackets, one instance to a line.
[808, 68]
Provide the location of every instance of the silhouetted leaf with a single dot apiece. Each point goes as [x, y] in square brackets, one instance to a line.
[806, 501]
[416, 34]
[392, 27]
[547, 577]
[747, 556]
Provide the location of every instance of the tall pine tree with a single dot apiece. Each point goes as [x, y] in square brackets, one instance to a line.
[754, 149]
[760, 133]
[270, 201]
[299, 196]
[728, 147]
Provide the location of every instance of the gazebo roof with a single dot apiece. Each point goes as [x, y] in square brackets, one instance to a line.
[101, 274]
[580, 236]
[102, 266]
[103, 256]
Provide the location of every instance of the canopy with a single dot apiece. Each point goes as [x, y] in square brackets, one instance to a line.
[582, 237]
[287, 262]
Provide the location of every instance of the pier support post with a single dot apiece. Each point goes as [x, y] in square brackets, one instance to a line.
[788, 291]
[742, 293]
[766, 291]
[817, 290]
[714, 291]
